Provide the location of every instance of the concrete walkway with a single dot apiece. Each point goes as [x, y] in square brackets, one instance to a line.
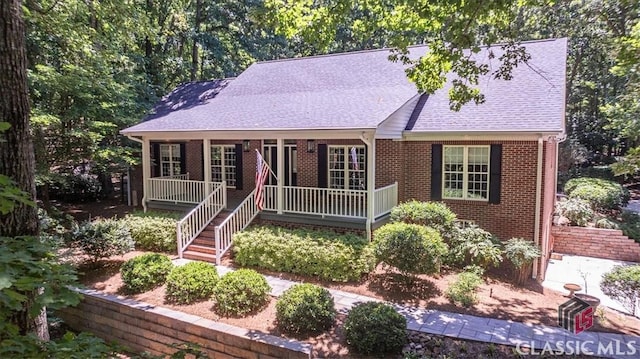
[464, 326]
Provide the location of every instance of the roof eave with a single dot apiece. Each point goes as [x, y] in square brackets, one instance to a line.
[504, 135]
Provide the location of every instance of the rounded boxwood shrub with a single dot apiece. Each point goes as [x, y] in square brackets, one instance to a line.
[410, 248]
[433, 214]
[374, 327]
[622, 283]
[145, 272]
[305, 308]
[191, 282]
[600, 193]
[156, 234]
[241, 292]
[103, 238]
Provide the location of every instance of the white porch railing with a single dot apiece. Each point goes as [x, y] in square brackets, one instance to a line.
[238, 220]
[189, 227]
[384, 199]
[319, 201]
[182, 176]
[178, 190]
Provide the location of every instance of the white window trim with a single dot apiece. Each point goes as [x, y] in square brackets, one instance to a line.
[465, 173]
[347, 169]
[171, 162]
[223, 164]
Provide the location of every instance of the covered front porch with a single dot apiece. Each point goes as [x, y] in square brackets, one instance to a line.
[325, 179]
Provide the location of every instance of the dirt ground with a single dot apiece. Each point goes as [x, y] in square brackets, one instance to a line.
[497, 297]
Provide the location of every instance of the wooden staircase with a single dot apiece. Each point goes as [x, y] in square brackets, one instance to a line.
[203, 248]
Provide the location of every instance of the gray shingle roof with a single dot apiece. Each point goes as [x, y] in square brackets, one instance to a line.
[350, 90]
[534, 100]
[360, 90]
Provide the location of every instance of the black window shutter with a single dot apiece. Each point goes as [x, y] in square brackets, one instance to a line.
[323, 164]
[155, 166]
[495, 174]
[183, 158]
[436, 172]
[239, 166]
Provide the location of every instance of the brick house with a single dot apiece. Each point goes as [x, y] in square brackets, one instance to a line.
[348, 137]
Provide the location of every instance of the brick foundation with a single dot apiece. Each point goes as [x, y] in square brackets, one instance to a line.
[595, 242]
[143, 327]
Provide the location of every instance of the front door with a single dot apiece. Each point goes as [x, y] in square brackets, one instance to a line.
[270, 154]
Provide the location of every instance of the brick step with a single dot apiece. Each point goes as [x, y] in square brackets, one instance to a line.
[207, 233]
[204, 241]
[197, 256]
[556, 256]
[201, 249]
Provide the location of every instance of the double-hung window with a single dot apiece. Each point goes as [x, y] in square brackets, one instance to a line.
[170, 160]
[347, 167]
[466, 172]
[223, 164]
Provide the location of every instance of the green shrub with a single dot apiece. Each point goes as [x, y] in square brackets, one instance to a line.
[103, 238]
[600, 193]
[375, 328]
[630, 225]
[578, 211]
[191, 282]
[521, 253]
[433, 214]
[474, 246]
[145, 272]
[463, 290]
[241, 292]
[622, 283]
[305, 308]
[411, 248]
[326, 255]
[156, 234]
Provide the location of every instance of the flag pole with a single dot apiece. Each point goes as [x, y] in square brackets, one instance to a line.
[269, 167]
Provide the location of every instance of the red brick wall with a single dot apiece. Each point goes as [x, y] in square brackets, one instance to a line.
[193, 159]
[143, 327]
[595, 242]
[513, 217]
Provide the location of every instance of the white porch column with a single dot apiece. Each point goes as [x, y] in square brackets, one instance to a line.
[369, 140]
[146, 170]
[280, 174]
[206, 160]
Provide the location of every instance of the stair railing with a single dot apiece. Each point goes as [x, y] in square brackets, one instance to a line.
[189, 227]
[238, 220]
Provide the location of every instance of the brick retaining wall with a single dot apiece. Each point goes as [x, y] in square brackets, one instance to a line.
[595, 242]
[145, 327]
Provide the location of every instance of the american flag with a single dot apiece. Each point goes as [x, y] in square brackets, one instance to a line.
[262, 171]
[354, 159]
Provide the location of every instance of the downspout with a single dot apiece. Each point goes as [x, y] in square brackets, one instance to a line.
[371, 173]
[536, 232]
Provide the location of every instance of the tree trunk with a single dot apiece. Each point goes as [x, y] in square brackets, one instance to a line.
[17, 159]
[194, 50]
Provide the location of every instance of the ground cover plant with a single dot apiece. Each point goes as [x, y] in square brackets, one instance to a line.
[326, 255]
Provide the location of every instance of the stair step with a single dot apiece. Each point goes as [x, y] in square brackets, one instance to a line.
[207, 233]
[205, 257]
[203, 241]
[556, 256]
[201, 249]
